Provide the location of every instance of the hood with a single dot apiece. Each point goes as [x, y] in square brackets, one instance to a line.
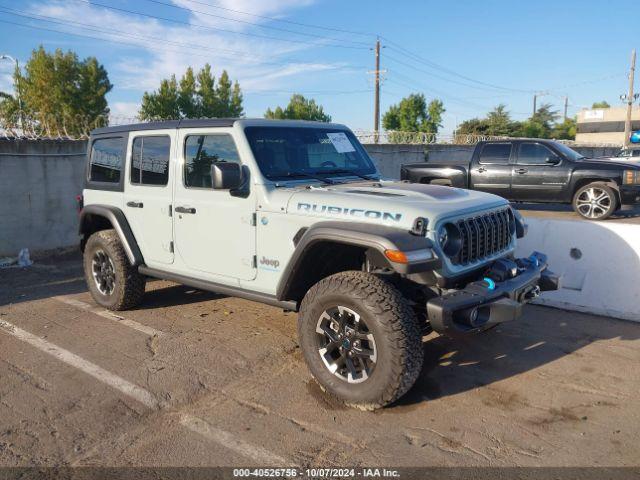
[615, 161]
[391, 203]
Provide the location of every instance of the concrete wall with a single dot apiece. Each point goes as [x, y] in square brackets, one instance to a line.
[38, 184]
[599, 263]
[390, 157]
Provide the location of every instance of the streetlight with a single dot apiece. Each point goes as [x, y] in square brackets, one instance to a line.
[14, 60]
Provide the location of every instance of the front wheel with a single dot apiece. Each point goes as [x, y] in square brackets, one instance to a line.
[361, 339]
[595, 201]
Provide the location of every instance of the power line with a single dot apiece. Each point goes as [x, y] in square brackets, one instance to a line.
[431, 64]
[274, 19]
[449, 80]
[102, 39]
[207, 27]
[106, 31]
[171, 5]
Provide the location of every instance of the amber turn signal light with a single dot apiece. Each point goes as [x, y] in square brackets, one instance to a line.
[396, 256]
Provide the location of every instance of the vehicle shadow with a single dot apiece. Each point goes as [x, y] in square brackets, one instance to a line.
[541, 336]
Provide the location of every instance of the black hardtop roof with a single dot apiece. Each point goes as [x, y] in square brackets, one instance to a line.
[167, 124]
[520, 139]
[209, 122]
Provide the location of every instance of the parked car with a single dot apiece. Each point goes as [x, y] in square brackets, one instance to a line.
[294, 214]
[533, 170]
[632, 154]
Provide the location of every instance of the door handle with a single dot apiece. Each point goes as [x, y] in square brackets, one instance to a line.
[135, 204]
[522, 170]
[185, 210]
[482, 170]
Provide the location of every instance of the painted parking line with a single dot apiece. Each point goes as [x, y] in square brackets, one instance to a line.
[111, 316]
[99, 373]
[192, 423]
[259, 454]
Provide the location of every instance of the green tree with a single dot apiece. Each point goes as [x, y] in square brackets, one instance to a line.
[299, 108]
[541, 122]
[194, 96]
[413, 114]
[602, 104]
[565, 130]
[60, 93]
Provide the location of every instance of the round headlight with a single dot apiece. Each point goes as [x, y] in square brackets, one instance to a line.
[450, 239]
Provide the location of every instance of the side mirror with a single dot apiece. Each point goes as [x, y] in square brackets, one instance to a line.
[553, 160]
[226, 176]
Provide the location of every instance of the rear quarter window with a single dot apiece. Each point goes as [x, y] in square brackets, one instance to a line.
[107, 159]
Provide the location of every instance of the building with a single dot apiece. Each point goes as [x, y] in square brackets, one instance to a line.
[605, 125]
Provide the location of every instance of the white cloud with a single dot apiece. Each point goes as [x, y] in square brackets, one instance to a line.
[169, 48]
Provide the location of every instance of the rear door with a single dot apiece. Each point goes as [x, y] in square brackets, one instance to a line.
[534, 179]
[148, 193]
[491, 170]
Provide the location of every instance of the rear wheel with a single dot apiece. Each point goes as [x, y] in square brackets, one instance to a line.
[595, 201]
[113, 282]
[361, 339]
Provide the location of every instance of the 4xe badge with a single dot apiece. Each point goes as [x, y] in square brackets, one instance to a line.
[269, 264]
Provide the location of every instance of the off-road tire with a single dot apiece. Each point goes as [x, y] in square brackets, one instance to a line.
[582, 193]
[391, 320]
[129, 285]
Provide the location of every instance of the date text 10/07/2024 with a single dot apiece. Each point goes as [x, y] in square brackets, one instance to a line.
[316, 473]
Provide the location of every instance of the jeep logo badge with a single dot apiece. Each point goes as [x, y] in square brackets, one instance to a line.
[270, 262]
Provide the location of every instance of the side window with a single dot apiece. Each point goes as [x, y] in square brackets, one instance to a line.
[495, 153]
[150, 160]
[202, 151]
[533, 154]
[106, 160]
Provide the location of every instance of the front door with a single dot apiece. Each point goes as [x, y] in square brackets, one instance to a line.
[492, 171]
[214, 231]
[148, 194]
[534, 178]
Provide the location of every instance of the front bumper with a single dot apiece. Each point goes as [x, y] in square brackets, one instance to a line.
[629, 194]
[486, 302]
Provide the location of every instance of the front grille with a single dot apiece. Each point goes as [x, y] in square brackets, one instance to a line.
[484, 235]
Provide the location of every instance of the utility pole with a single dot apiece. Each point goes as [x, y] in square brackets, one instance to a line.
[376, 104]
[630, 99]
[18, 93]
[535, 98]
[566, 106]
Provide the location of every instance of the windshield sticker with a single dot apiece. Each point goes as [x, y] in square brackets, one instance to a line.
[341, 142]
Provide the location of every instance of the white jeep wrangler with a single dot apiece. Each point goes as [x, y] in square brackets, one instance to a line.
[294, 214]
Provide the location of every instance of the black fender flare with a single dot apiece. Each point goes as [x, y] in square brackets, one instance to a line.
[375, 238]
[118, 220]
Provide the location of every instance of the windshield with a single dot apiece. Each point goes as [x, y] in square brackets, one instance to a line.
[289, 152]
[568, 152]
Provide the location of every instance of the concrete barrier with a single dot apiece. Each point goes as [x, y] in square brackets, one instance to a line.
[39, 180]
[599, 263]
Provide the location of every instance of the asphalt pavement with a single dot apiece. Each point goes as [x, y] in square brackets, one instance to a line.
[195, 379]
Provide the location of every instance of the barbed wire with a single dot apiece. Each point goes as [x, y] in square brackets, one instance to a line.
[21, 125]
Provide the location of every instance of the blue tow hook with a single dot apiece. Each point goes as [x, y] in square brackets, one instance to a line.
[491, 285]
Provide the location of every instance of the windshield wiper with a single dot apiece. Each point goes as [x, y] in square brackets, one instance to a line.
[306, 175]
[350, 172]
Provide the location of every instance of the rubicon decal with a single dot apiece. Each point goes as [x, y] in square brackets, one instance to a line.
[352, 212]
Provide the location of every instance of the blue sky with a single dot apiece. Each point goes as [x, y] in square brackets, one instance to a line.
[471, 54]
